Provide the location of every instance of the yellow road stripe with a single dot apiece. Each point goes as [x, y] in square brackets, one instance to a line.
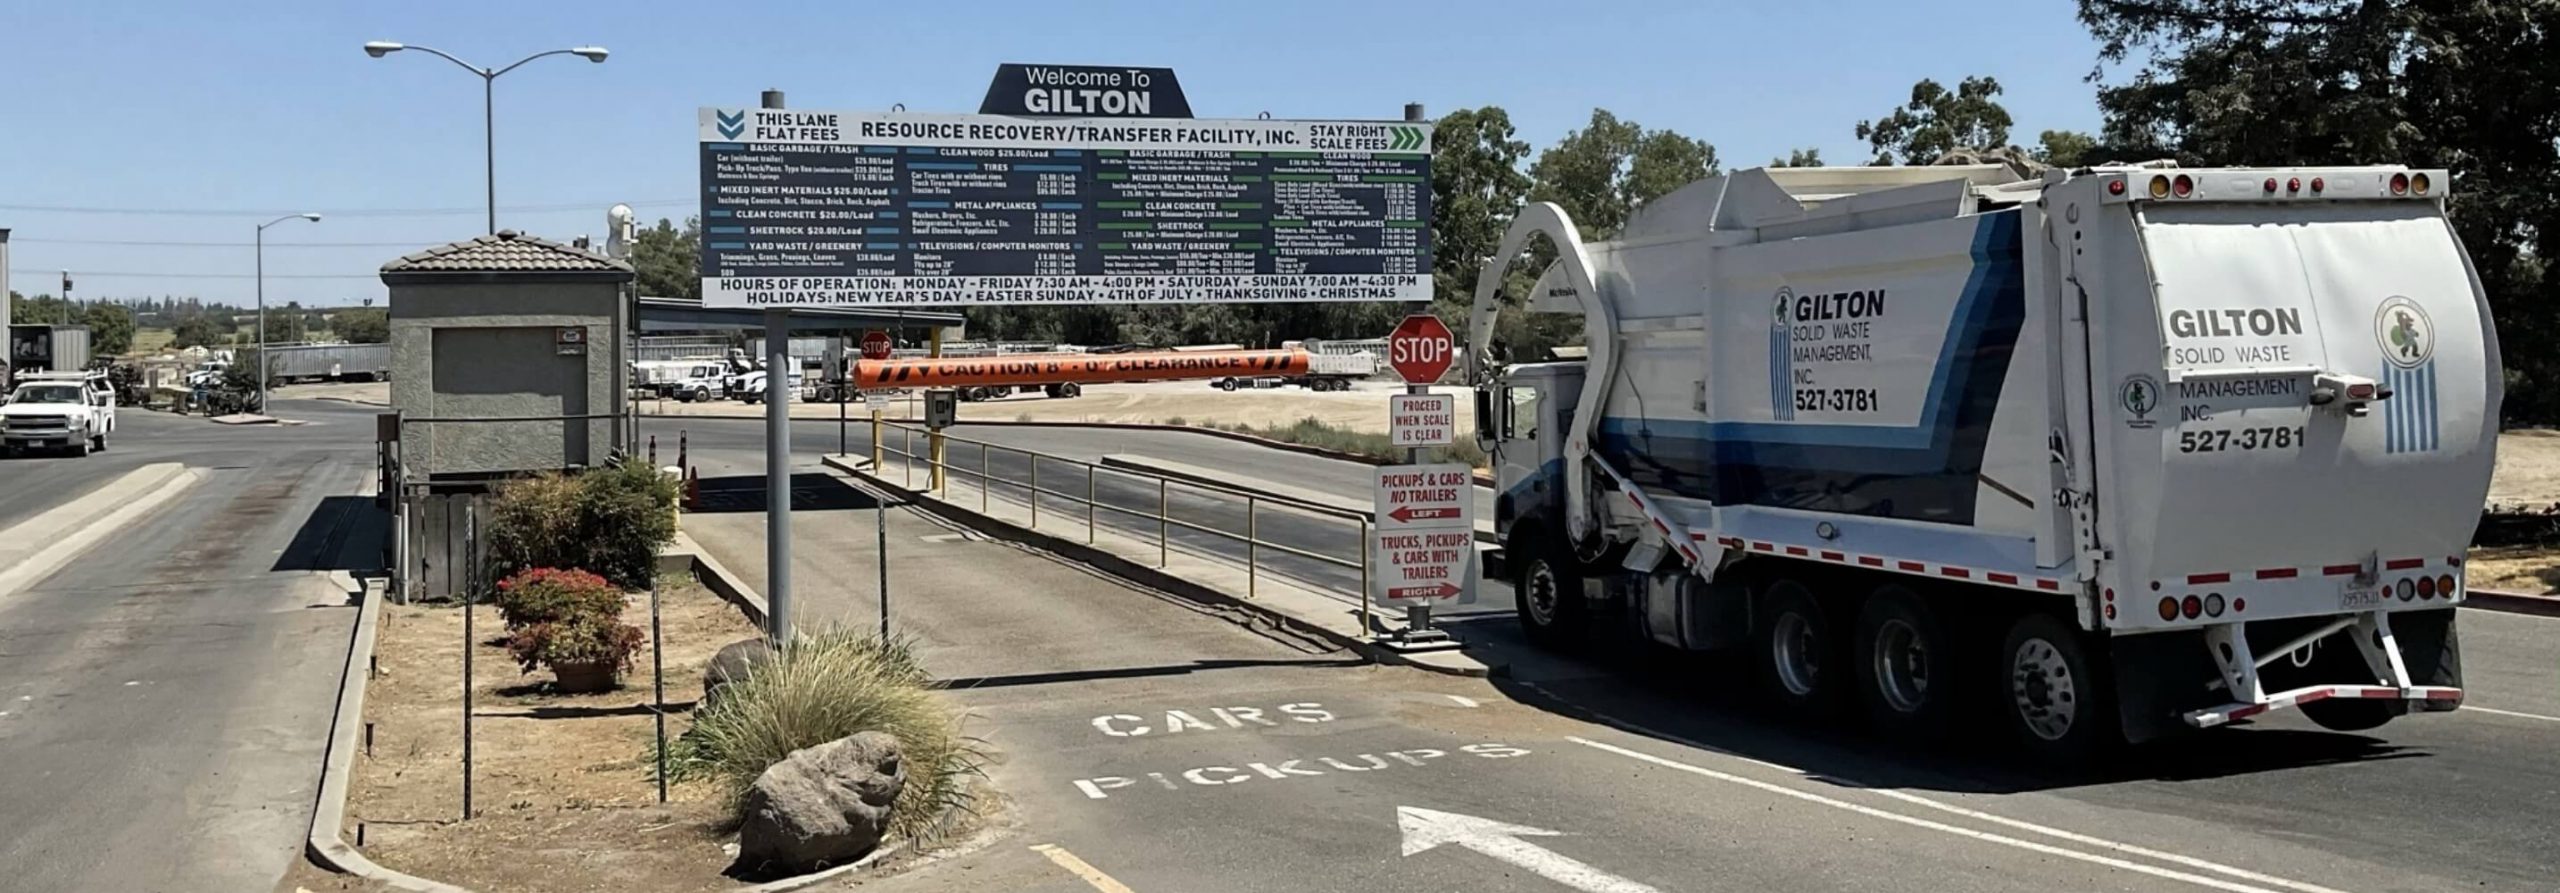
[1091, 875]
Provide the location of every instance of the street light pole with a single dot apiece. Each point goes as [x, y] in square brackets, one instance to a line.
[262, 301]
[488, 100]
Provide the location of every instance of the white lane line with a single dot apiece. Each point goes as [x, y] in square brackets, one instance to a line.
[1917, 822]
[2127, 848]
[2466, 708]
[1092, 876]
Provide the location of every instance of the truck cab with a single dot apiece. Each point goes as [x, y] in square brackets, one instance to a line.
[1520, 423]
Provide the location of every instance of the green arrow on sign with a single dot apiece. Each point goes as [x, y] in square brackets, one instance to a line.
[1406, 138]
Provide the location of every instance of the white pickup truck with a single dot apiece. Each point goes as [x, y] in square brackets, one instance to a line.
[73, 411]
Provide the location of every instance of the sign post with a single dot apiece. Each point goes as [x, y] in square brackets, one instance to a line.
[1424, 539]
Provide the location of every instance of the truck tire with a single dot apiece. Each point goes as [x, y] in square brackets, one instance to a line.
[1071, 390]
[2333, 660]
[1800, 661]
[1549, 592]
[81, 444]
[2053, 692]
[1905, 664]
[1226, 384]
[100, 441]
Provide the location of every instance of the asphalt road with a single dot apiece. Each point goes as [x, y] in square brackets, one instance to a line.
[165, 699]
[1654, 773]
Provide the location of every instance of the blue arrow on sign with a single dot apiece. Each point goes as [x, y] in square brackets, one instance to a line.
[731, 124]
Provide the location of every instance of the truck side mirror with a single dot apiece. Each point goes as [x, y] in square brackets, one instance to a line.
[1486, 424]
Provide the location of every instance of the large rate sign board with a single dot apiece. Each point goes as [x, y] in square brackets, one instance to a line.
[850, 209]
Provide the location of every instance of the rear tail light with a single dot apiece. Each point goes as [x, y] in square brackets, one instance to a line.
[2319, 183]
[2193, 607]
[2444, 585]
[2213, 605]
[2426, 587]
[2184, 186]
[2408, 589]
[2115, 187]
[2271, 184]
[2419, 184]
[2293, 184]
[2360, 392]
[2399, 184]
[2159, 187]
[2239, 604]
[2168, 607]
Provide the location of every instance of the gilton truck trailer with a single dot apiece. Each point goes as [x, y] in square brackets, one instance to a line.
[2119, 451]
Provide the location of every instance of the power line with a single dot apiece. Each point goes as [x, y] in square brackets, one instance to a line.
[270, 246]
[111, 274]
[342, 212]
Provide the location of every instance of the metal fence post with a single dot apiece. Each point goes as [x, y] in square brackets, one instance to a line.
[1252, 552]
[1090, 473]
[1035, 490]
[907, 446]
[1164, 527]
[1365, 634]
[986, 478]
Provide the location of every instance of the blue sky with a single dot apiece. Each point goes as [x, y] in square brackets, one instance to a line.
[271, 106]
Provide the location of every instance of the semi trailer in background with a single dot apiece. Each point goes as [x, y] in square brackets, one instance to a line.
[288, 363]
[2110, 452]
[48, 348]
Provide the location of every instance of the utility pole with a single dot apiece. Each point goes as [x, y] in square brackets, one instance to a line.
[777, 462]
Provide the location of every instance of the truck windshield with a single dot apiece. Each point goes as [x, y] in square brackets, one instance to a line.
[51, 393]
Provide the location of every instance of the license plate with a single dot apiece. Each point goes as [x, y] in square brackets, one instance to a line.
[2359, 598]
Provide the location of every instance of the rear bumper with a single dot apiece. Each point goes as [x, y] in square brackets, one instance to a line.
[2424, 697]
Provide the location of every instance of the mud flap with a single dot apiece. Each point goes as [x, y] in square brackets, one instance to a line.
[2432, 650]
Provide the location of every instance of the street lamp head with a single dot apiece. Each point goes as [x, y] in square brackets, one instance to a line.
[381, 48]
[593, 54]
[315, 218]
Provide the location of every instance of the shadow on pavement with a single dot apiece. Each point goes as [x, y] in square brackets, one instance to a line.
[1135, 672]
[810, 492]
[342, 533]
[1712, 703]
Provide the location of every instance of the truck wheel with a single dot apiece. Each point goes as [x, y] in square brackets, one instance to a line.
[2333, 659]
[1071, 390]
[1550, 598]
[2055, 698]
[1800, 666]
[81, 445]
[1226, 384]
[101, 441]
[1904, 664]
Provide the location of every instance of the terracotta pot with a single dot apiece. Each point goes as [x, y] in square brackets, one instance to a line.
[582, 678]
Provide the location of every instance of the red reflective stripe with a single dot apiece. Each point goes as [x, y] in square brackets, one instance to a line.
[1658, 525]
[2340, 570]
[2402, 564]
[2278, 573]
[1695, 536]
[2248, 711]
[2054, 585]
[1798, 550]
[1828, 555]
[1870, 561]
[1763, 547]
[2317, 694]
[2202, 579]
[1733, 541]
[1957, 572]
[2372, 692]
[1911, 565]
[2011, 579]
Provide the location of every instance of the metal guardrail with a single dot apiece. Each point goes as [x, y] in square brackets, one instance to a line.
[1254, 503]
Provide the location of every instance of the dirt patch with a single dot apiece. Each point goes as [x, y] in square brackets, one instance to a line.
[2533, 570]
[2528, 468]
[375, 393]
[564, 786]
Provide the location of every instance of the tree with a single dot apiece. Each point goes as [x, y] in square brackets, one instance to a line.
[362, 326]
[1476, 187]
[2459, 84]
[1799, 158]
[110, 328]
[668, 261]
[1936, 121]
[284, 324]
[196, 330]
[40, 310]
[2065, 148]
[1603, 172]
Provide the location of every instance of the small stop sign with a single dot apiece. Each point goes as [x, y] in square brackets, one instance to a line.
[1421, 348]
[875, 345]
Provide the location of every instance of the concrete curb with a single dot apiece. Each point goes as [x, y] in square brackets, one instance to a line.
[721, 581]
[325, 846]
[2513, 602]
[1152, 578]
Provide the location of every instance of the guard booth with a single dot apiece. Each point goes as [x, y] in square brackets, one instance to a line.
[506, 360]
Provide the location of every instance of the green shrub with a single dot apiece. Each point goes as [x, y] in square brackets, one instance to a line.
[545, 594]
[611, 521]
[827, 686]
[576, 639]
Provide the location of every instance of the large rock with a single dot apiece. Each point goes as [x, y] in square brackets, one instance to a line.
[821, 806]
[733, 663]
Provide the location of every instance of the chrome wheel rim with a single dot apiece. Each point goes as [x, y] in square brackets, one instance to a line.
[1794, 648]
[1541, 593]
[1901, 667]
[2041, 686]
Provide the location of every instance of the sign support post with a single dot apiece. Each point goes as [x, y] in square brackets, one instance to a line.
[1425, 542]
[777, 461]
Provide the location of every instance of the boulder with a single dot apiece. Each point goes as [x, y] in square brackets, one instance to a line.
[734, 662]
[821, 806]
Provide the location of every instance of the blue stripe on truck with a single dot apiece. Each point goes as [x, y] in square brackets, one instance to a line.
[1928, 472]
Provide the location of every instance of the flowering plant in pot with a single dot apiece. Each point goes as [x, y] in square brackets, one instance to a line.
[547, 594]
[587, 652]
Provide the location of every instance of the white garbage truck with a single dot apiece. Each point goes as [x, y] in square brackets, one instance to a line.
[2111, 452]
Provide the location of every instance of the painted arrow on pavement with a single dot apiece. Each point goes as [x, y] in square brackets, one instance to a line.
[1406, 513]
[1425, 829]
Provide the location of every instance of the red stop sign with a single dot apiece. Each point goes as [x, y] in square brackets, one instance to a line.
[875, 345]
[1421, 348]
